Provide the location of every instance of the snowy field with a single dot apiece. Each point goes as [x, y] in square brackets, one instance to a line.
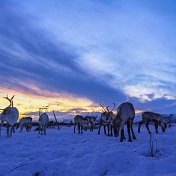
[63, 153]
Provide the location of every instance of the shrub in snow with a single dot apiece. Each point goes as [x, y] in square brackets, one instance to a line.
[153, 147]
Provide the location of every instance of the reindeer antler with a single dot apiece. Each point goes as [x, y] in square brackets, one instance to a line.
[103, 107]
[10, 100]
[107, 108]
[114, 106]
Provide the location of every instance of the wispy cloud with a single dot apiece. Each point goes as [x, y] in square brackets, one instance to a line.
[120, 44]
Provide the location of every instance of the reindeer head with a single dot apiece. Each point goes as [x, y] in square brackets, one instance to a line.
[116, 126]
[163, 126]
[91, 119]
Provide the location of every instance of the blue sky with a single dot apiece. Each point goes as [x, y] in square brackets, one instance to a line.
[99, 50]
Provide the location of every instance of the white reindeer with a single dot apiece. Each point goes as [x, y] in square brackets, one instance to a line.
[9, 115]
[125, 115]
[25, 122]
[106, 119]
[148, 117]
[80, 121]
[43, 122]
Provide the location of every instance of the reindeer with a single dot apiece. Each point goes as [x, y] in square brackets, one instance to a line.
[106, 119]
[91, 121]
[43, 122]
[9, 115]
[125, 115]
[79, 121]
[148, 117]
[25, 122]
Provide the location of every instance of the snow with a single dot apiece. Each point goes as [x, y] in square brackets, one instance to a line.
[63, 153]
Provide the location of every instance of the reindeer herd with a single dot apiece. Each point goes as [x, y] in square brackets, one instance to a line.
[113, 121]
[10, 115]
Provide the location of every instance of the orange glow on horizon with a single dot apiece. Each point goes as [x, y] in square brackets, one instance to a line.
[27, 102]
[138, 111]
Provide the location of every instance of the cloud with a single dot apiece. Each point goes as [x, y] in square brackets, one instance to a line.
[31, 59]
[119, 44]
[110, 51]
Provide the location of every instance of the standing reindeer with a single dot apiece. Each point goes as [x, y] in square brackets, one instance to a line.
[43, 121]
[9, 115]
[148, 117]
[125, 115]
[25, 122]
[79, 121]
[106, 119]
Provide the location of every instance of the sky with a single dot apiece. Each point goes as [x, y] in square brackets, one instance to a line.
[71, 55]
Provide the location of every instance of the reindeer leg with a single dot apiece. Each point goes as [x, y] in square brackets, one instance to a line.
[74, 127]
[108, 130]
[133, 135]
[121, 135]
[139, 126]
[39, 129]
[111, 130]
[81, 129]
[11, 130]
[147, 126]
[156, 127]
[44, 130]
[1, 126]
[105, 129]
[78, 128]
[99, 129]
[8, 130]
[129, 133]
[21, 128]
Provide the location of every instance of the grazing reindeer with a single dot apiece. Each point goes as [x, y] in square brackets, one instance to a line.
[91, 121]
[79, 121]
[148, 117]
[25, 122]
[125, 115]
[43, 122]
[9, 115]
[106, 119]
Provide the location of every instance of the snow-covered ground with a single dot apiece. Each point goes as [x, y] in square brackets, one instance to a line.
[63, 153]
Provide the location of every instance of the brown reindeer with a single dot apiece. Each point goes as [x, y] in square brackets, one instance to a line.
[148, 117]
[79, 121]
[91, 120]
[106, 119]
[25, 122]
[125, 115]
